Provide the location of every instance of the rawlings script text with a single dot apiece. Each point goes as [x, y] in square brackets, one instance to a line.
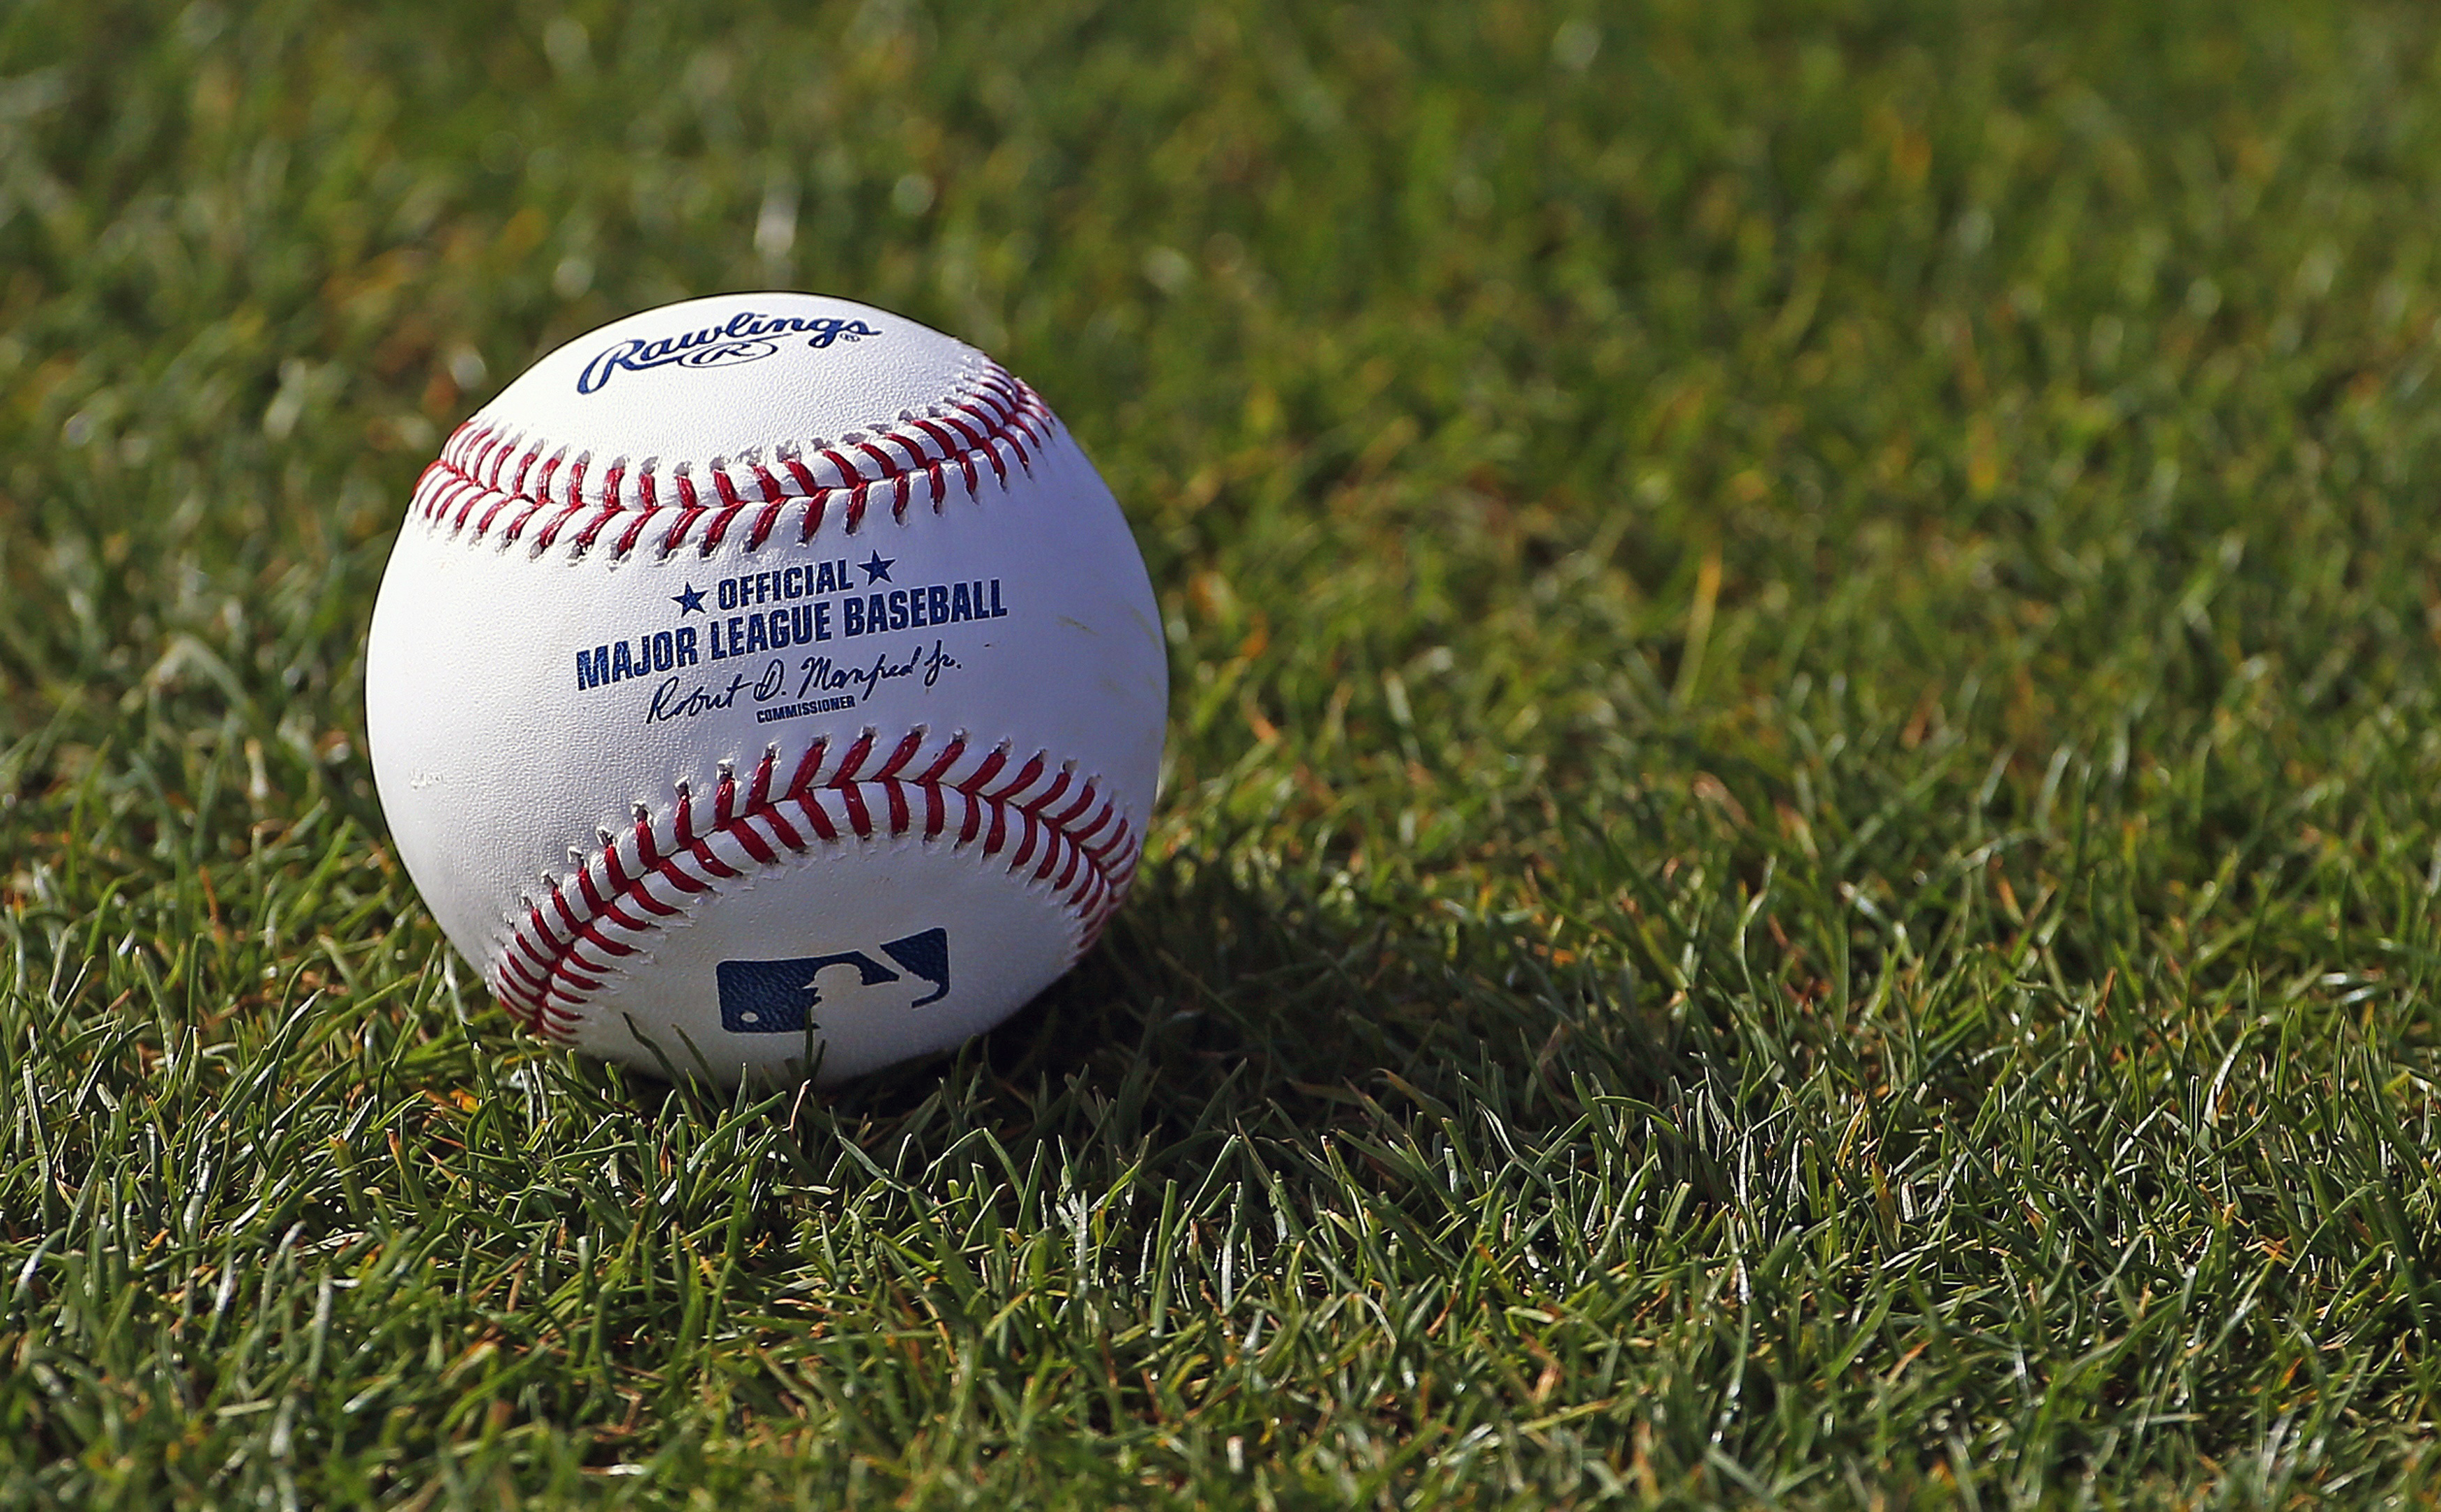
[744, 337]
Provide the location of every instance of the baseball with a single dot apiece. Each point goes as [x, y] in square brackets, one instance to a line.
[765, 686]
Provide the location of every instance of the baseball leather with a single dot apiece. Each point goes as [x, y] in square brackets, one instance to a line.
[766, 684]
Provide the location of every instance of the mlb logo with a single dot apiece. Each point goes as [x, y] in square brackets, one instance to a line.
[781, 996]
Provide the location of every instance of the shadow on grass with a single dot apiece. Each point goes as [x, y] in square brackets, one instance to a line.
[1218, 1005]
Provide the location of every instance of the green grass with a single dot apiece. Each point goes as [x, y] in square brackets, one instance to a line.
[1800, 851]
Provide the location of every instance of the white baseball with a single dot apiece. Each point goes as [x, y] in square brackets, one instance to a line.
[766, 684]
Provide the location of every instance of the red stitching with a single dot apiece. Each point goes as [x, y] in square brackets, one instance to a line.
[998, 420]
[565, 947]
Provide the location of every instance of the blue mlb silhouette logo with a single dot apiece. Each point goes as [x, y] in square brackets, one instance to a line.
[780, 997]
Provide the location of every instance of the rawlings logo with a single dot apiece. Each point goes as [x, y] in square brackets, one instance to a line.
[744, 337]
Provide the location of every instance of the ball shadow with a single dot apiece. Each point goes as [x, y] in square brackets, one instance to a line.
[1214, 1003]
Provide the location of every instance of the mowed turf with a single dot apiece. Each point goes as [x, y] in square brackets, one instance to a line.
[1800, 849]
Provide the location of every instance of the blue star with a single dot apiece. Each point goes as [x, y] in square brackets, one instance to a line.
[877, 568]
[691, 601]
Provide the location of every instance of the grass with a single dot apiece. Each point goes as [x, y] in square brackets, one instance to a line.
[1804, 803]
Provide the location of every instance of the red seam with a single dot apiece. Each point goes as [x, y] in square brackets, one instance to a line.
[516, 488]
[463, 490]
[548, 962]
[486, 452]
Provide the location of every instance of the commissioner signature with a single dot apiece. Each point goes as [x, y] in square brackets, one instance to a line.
[818, 685]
